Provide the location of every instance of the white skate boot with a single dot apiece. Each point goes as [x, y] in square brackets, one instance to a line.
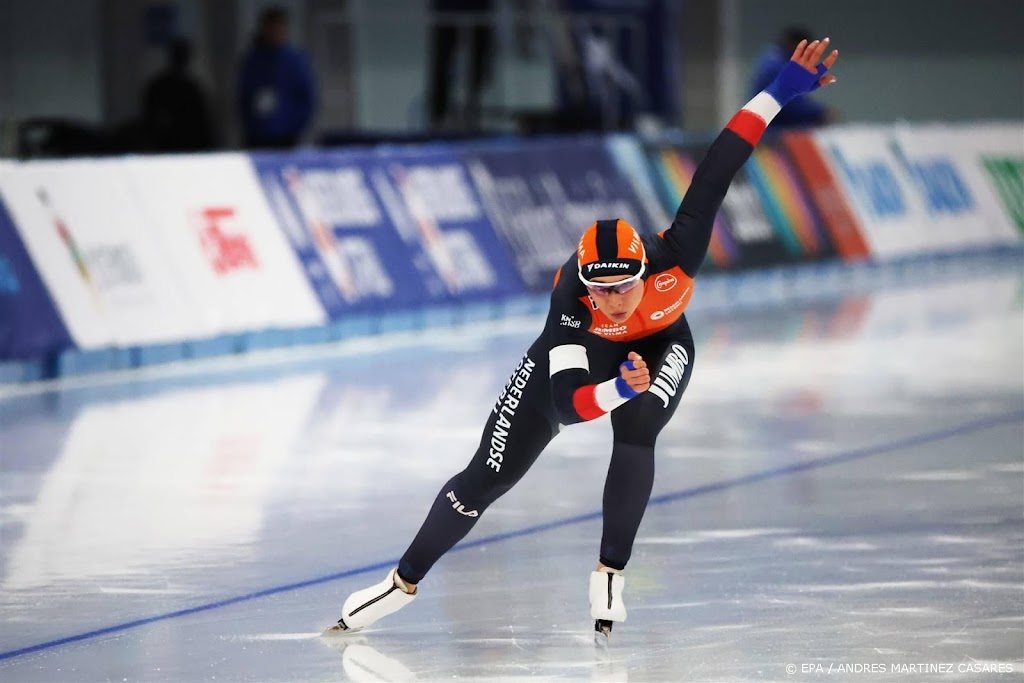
[364, 607]
[606, 604]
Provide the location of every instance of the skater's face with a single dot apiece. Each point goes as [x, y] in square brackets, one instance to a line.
[615, 303]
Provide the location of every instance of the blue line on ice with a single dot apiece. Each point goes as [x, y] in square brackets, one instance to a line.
[838, 458]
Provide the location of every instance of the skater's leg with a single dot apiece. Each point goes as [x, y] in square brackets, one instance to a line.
[465, 496]
[636, 426]
[517, 430]
[627, 487]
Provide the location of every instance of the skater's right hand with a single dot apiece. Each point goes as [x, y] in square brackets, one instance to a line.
[639, 377]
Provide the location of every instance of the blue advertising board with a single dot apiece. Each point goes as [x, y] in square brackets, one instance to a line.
[435, 208]
[743, 235]
[328, 210]
[30, 325]
[391, 229]
[542, 194]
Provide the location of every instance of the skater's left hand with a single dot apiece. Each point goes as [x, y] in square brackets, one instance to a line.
[808, 55]
[803, 72]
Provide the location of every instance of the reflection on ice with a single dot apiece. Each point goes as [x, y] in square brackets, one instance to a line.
[158, 481]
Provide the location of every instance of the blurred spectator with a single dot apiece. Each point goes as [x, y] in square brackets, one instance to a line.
[175, 112]
[446, 35]
[803, 111]
[276, 89]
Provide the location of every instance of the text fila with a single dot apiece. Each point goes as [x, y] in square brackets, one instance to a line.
[459, 507]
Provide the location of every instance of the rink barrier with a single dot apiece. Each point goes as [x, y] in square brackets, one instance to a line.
[444, 234]
[715, 292]
[74, 362]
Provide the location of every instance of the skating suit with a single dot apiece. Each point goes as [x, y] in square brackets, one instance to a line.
[567, 376]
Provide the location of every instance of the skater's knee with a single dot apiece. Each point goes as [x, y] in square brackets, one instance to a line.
[636, 443]
[475, 492]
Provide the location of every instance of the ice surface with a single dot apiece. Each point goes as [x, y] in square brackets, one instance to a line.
[843, 483]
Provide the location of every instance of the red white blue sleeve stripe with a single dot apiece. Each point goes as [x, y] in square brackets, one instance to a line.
[750, 122]
[594, 400]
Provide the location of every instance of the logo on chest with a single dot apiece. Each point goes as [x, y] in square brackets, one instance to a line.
[665, 282]
[610, 330]
[671, 308]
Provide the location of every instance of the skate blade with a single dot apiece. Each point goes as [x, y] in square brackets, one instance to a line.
[339, 630]
[602, 629]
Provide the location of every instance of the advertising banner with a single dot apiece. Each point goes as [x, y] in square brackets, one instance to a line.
[436, 210]
[962, 209]
[30, 325]
[787, 203]
[57, 252]
[217, 227]
[743, 236]
[390, 229]
[991, 157]
[631, 160]
[1007, 176]
[888, 206]
[96, 252]
[542, 195]
[817, 176]
[336, 224]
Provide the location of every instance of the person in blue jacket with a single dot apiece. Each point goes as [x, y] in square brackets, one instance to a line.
[276, 88]
[802, 111]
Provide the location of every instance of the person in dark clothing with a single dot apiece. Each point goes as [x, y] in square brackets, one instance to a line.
[802, 111]
[445, 39]
[276, 90]
[175, 112]
[616, 341]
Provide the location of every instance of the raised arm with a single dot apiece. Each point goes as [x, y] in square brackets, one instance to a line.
[690, 233]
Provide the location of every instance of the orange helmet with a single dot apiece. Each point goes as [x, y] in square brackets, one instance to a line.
[611, 247]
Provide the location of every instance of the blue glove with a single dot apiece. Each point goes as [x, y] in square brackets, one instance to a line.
[794, 81]
[625, 391]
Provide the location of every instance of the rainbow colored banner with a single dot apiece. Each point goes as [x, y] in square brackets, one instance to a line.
[815, 172]
[744, 235]
[786, 203]
[674, 169]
